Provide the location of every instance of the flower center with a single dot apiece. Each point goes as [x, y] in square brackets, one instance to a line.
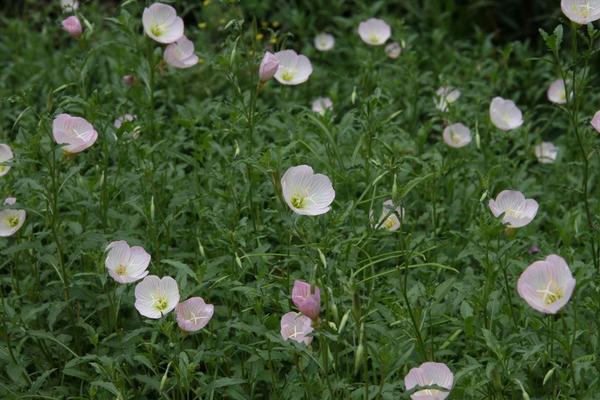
[513, 213]
[3, 168]
[454, 137]
[373, 38]
[157, 30]
[299, 200]
[389, 223]
[121, 270]
[12, 221]
[161, 303]
[551, 294]
[287, 75]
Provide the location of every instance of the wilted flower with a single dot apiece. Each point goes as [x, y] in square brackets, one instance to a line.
[125, 118]
[393, 50]
[307, 299]
[322, 104]
[6, 156]
[72, 26]
[516, 211]
[596, 121]
[390, 218]
[11, 220]
[268, 66]
[457, 135]
[429, 374]
[296, 327]
[69, 5]
[505, 114]
[128, 80]
[180, 54]
[581, 11]
[74, 132]
[374, 31]
[547, 285]
[162, 24]
[557, 92]
[324, 42]
[126, 264]
[546, 152]
[305, 192]
[446, 96]
[155, 297]
[294, 68]
[193, 314]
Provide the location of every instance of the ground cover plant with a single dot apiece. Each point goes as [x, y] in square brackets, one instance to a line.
[299, 200]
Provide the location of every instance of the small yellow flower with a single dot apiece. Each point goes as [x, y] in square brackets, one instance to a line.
[260, 36]
[202, 25]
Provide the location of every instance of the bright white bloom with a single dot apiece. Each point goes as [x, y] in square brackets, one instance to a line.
[162, 24]
[581, 11]
[430, 374]
[596, 121]
[181, 54]
[125, 118]
[557, 93]
[155, 297]
[546, 152]
[75, 133]
[516, 211]
[126, 264]
[11, 220]
[393, 50]
[322, 104]
[505, 114]
[324, 42]
[457, 135]
[446, 96]
[296, 327]
[293, 69]
[547, 285]
[69, 5]
[305, 192]
[6, 156]
[193, 314]
[390, 218]
[374, 32]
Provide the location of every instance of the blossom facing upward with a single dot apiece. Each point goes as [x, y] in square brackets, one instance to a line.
[11, 220]
[180, 54]
[547, 285]
[596, 121]
[445, 96]
[193, 314]
[321, 105]
[6, 156]
[268, 67]
[69, 5]
[546, 152]
[391, 216]
[374, 31]
[557, 93]
[581, 12]
[307, 299]
[305, 192]
[162, 24]
[505, 115]
[126, 264]
[75, 133]
[457, 135]
[296, 327]
[393, 50]
[516, 210]
[430, 374]
[155, 297]
[72, 26]
[324, 42]
[293, 69]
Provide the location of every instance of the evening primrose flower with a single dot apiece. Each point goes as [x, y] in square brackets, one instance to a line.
[72, 26]
[430, 374]
[155, 297]
[180, 54]
[393, 50]
[6, 156]
[457, 135]
[69, 5]
[125, 118]
[11, 220]
[505, 115]
[391, 216]
[75, 133]
[557, 92]
[321, 105]
[324, 42]
[446, 95]
[193, 314]
[307, 299]
[296, 327]
[268, 66]
[547, 285]
[596, 121]
[126, 264]
[293, 69]
[516, 211]
[305, 192]
[581, 11]
[546, 152]
[374, 32]
[162, 24]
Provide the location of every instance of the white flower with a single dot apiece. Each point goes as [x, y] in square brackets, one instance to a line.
[6, 155]
[322, 104]
[546, 152]
[390, 218]
[429, 374]
[393, 50]
[155, 297]
[305, 192]
[581, 11]
[445, 96]
[181, 54]
[125, 118]
[69, 5]
[374, 32]
[516, 211]
[457, 135]
[296, 327]
[293, 69]
[596, 121]
[505, 115]
[126, 264]
[11, 220]
[324, 42]
[557, 92]
[162, 24]
[75, 133]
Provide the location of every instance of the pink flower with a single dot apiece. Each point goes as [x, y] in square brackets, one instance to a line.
[457, 135]
[596, 121]
[11, 220]
[547, 285]
[126, 264]
[162, 24]
[156, 297]
[128, 80]
[374, 32]
[6, 156]
[294, 68]
[321, 104]
[72, 26]
[581, 12]
[181, 54]
[557, 93]
[193, 314]
[268, 67]
[516, 210]
[430, 374]
[393, 50]
[296, 327]
[505, 114]
[307, 300]
[74, 132]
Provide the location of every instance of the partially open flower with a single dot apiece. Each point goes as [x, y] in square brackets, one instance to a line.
[393, 50]
[69, 5]
[72, 26]
[430, 374]
[596, 121]
[321, 105]
[126, 264]
[374, 32]
[162, 24]
[180, 54]
[155, 297]
[391, 217]
[581, 11]
[446, 96]
[6, 156]
[557, 93]
[74, 132]
[516, 211]
[457, 135]
[324, 42]
[125, 118]
[11, 220]
[193, 314]
[268, 67]
[505, 115]
[547, 285]
[305, 192]
[307, 299]
[546, 152]
[296, 327]
[294, 68]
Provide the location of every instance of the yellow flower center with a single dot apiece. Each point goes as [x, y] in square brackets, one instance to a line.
[389, 223]
[12, 221]
[513, 213]
[157, 30]
[552, 293]
[298, 200]
[287, 75]
[161, 303]
[454, 137]
[3, 169]
[121, 270]
[374, 38]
